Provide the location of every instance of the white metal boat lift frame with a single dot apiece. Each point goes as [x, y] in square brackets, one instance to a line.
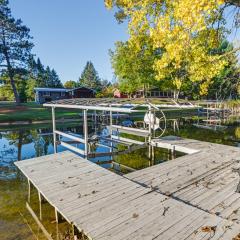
[109, 105]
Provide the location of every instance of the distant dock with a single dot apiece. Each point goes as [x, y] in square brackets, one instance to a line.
[192, 197]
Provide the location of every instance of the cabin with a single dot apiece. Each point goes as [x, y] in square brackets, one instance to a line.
[82, 92]
[43, 95]
[141, 93]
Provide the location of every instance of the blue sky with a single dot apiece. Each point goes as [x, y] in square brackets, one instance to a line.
[68, 33]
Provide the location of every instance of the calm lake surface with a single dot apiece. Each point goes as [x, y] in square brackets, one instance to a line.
[23, 143]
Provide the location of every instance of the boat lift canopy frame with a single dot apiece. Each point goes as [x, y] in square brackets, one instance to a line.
[123, 105]
[101, 104]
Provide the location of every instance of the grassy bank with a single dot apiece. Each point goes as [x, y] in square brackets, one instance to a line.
[9, 112]
[31, 112]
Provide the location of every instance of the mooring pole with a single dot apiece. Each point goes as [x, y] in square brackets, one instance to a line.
[85, 130]
[54, 130]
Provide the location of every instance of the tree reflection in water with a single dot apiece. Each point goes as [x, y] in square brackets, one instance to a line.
[27, 143]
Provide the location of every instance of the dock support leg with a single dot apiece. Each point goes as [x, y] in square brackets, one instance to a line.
[54, 129]
[153, 156]
[173, 152]
[57, 221]
[40, 205]
[56, 216]
[29, 191]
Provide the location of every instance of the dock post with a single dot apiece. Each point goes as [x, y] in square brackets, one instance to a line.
[40, 205]
[85, 130]
[56, 215]
[57, 221]
[150, 131]
[111, 123]
[95, 121]
[54, 130]
[173, 152]
[29, 191]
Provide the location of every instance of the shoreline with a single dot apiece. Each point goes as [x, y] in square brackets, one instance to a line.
[15, 123]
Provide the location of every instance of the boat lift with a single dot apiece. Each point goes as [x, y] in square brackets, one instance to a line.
[212, 116]
[154, 122]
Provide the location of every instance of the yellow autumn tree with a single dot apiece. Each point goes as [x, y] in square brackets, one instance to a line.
[183, 31]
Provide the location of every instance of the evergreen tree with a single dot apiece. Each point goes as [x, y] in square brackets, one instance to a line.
[89, 77]
[47, 77]
[15, 46]
[40, 74]
[55, 80]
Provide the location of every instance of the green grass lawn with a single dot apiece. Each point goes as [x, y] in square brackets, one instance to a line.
[31, 111]
[9, 112]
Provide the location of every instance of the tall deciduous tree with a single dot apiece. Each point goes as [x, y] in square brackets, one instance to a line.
[70, 84]
[134, 69]
[15, 45]
[89, 77]
[183, 32]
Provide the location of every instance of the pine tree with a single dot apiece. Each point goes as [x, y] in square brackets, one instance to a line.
[15, 46]
[40, 74]
[56, 82]
[47, 77]
[89, 77]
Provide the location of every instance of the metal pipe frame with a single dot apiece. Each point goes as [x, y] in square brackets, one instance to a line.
[77, 139]
[54, 130]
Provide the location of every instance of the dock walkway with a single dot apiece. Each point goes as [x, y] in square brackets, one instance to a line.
[105, 205]
[204, 179]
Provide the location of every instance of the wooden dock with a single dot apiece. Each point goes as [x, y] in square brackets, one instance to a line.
[205, 179]
[174, 200]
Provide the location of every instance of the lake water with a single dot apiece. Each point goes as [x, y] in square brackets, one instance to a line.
[24, 143]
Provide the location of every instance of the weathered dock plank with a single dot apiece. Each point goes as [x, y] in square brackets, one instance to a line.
[105, 205]
[204, 178]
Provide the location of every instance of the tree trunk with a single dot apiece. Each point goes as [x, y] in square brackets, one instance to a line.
[20, 142]
[16, 95]
[176, 94]
[11, 76]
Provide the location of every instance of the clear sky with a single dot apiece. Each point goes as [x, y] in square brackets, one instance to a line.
[68, 33]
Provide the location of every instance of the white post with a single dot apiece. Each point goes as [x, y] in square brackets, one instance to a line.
[85, 130]
[95, 121]
[150, 131]
[150, 123]
[54, 129]
[110, 123]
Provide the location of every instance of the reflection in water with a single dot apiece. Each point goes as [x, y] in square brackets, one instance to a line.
[15, 145]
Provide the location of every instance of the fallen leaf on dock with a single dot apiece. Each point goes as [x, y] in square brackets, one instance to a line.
[237, 237]
[135, 215]
[209, 229]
